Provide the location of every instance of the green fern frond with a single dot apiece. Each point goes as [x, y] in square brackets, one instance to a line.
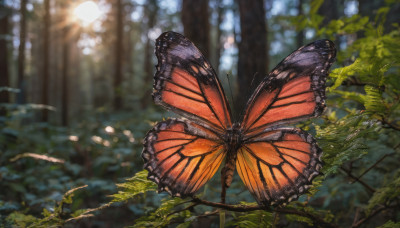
[252, 219]
[386, 194]
[343, 140]
[343, 73]
[390, 224]
[164, 215]
[373, 101]
[134, 186]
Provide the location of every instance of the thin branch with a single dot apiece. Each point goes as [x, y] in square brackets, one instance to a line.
[244, 208]
[390, 124]
[369, 188]
[372, 214]
[372, 166]
[184, 209]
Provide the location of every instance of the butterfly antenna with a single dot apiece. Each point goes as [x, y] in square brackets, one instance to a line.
[249, 89]
[252, 80]
[230, 91]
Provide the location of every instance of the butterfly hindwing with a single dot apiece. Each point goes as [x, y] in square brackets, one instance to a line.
[278, 165]
[186, 84]
[181, 156]
[293, 91]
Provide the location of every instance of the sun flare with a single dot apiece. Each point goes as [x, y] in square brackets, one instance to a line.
[87, 12]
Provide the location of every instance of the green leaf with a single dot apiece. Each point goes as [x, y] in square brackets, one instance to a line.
[164, 215]
[254, 219]
[134, 186]
[386, 194]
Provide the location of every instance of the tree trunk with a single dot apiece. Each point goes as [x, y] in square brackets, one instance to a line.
[118, 57]
[196, 25]
[4, 79]
[46, 60]
[21, 97]
[300, 34]
[329, 9]
[151, 13]
[253, 58]
[220, 12]
[64, 77]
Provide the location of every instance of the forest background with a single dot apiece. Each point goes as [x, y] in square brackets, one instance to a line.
[75, 104]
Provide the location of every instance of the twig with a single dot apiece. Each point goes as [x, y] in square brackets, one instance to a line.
[244, 208]
[371, 167]
[373, 213]
[391, 125]
[369, 188]
[184, 209]
[357, 214]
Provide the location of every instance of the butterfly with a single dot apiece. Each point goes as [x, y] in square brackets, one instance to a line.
[276, 163]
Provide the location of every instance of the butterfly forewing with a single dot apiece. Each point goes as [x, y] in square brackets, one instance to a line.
[181, 156]
[277, 166]
[186, 84]
[293, 91]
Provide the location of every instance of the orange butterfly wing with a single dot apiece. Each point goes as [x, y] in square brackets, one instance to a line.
[181, 156]
[186, 84]
[277, 166]
[293, 91]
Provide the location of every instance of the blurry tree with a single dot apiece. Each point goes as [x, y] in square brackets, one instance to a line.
[196, 25]
[151, 10]
[65, 65]
[369, 8]
[219, 44]
[300, 33]
[46, 59]
[4, 37]
[330, 10]
[21, 97]
[253, 58]
[118, 54]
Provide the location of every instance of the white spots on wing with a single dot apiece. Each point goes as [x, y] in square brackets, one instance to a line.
[314, 174]
[293, 197]
[163, 126]
[310, 138]
[312, 163]
[282, 74]
[327, 43]
[306, 58]
[185, 52]
[203, 71]
[311, 47]
[147, 156]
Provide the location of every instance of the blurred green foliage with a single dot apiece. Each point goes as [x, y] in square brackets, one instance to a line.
[53, 176]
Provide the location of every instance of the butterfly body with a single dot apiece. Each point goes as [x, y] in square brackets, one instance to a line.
[276, 163]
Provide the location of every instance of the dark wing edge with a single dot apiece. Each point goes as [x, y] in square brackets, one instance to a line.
[287, 188]
[174, 51]
[178, 173]
[312, 60]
